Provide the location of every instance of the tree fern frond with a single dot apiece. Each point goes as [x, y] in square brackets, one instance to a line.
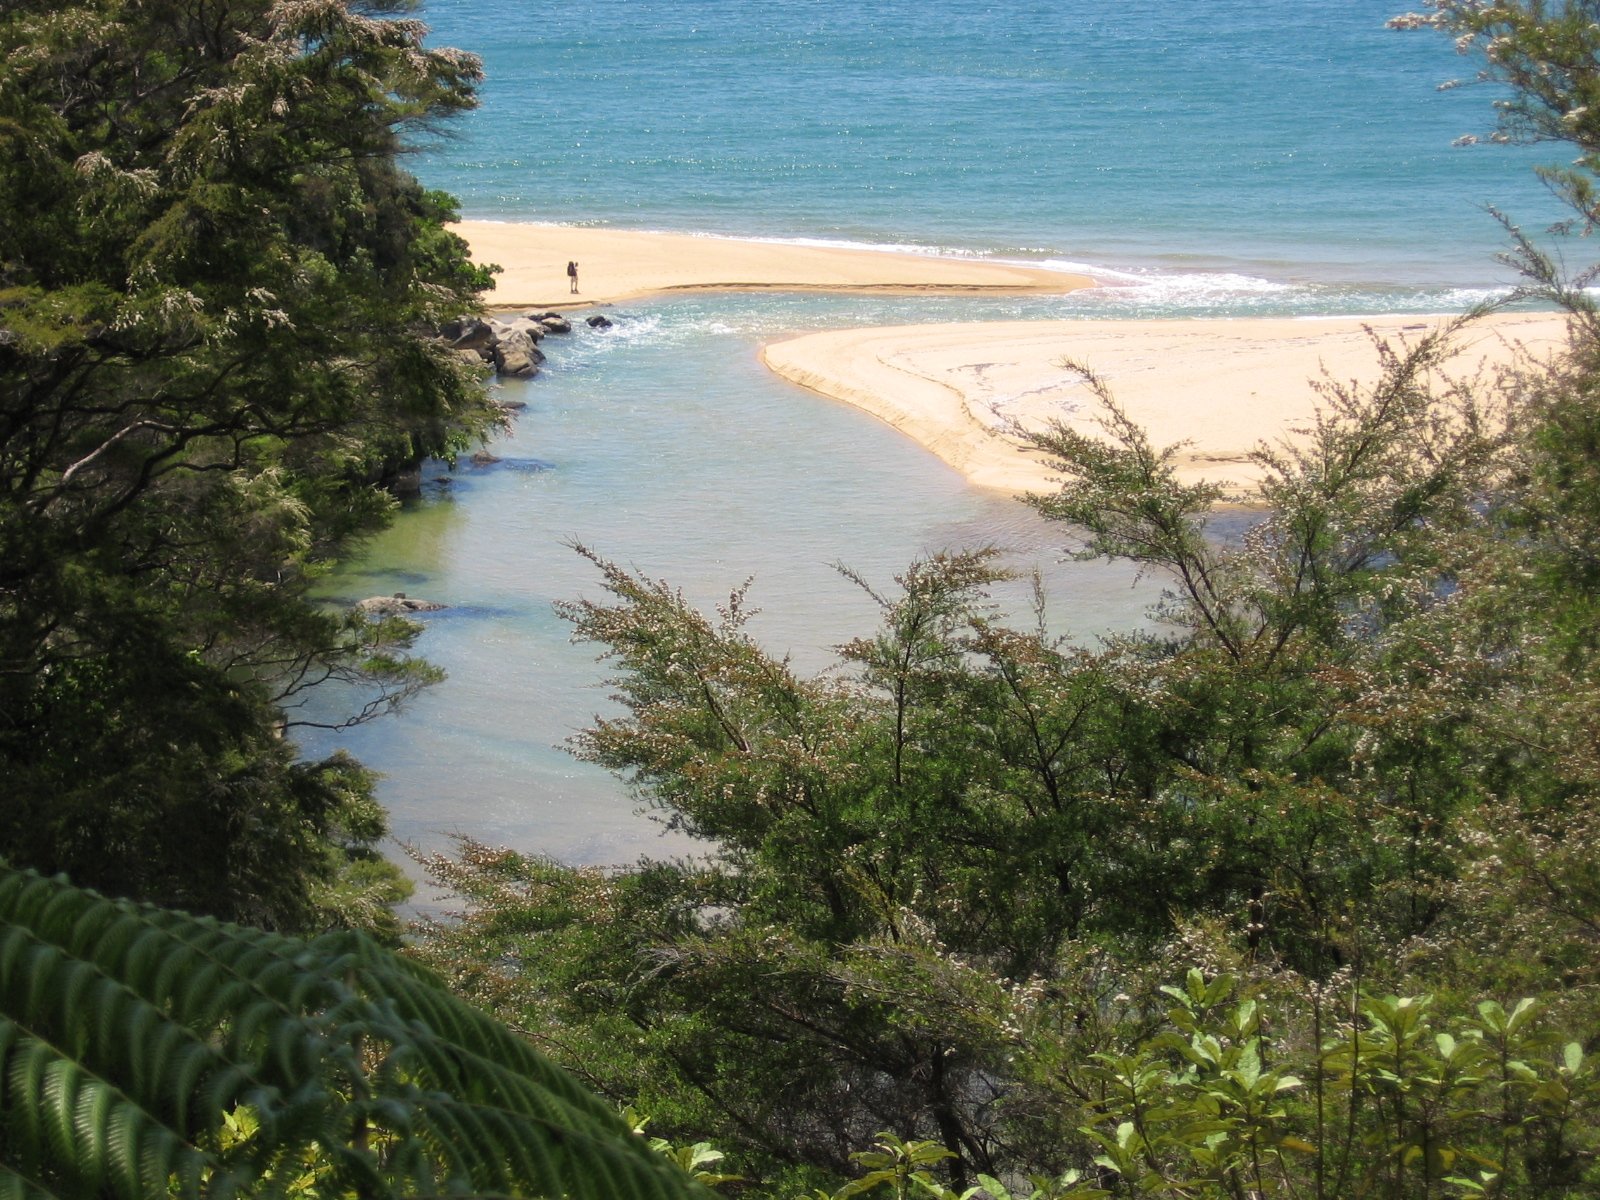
[66, 1124]
[131, 1036]
[90, 1017]
[565, 1160]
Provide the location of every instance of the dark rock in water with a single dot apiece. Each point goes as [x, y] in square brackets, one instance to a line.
[527, 466]
[511, 405]
[396, 605]
[484, 459]
[599, 322]
[510, 346]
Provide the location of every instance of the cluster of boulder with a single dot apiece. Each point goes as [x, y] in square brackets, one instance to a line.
[510, 345]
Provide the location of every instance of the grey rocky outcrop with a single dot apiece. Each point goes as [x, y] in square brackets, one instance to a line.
[534, 330]
[515, 355]
[509, 344]
[396, 605]
[468, 333]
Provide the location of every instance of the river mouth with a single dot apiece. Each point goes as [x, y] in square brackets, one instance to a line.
[665, 446]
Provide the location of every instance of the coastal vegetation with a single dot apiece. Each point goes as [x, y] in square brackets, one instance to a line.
[215, 288]
[1292, 893]
[218, 292]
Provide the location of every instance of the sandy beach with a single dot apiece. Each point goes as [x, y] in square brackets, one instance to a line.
[615, 265]
[1222, 385]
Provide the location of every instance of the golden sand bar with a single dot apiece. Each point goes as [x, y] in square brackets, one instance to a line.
[1223, 385]
[618, 265]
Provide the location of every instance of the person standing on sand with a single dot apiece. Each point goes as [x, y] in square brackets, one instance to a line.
[572, 276]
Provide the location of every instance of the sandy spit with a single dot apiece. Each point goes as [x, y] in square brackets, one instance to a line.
[615, 265]
[1224, 386]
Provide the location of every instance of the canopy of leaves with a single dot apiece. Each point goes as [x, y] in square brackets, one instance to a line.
[215, 290]
[1353, 754]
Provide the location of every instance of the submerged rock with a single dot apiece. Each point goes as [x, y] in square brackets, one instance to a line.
[396, 605]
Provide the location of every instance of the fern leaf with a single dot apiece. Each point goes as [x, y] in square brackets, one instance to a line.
[130, 1035]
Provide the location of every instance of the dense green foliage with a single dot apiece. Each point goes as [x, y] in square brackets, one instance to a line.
[215, 286]
[1344, 787]
[144, 1052]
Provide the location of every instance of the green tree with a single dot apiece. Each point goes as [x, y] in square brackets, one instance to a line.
[216, 287]
[1288, 707]
[1351, 760]
[1517, 648]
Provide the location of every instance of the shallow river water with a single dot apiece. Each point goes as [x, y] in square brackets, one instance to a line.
[663, 444]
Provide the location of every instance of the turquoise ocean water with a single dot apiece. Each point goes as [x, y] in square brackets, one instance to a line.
[1218, 158]
[1264, 142]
